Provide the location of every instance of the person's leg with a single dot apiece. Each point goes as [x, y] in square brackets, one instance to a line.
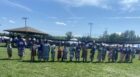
[139, 55]
[109, 60]
[33, 58]
[78, 59]
[123, 57]
[131, 58]
[8, 53]
[86, 59]
[120, 57]
[83, 59]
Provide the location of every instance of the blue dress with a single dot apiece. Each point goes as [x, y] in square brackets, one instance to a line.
[40, 52]
[21, 47]
[46, 51]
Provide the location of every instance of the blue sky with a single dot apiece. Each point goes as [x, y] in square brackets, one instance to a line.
[57, 17]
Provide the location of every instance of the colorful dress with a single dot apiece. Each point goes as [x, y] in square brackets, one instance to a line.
[59, 55]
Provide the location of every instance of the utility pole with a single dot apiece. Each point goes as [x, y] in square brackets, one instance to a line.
[25, 19]
[90, 24]
[26, 34]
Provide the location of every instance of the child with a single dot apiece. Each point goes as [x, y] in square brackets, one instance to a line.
[9, 50]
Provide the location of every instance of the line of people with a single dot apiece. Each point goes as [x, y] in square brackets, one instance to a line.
[44, 50]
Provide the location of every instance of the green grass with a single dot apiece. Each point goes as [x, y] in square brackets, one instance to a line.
[16, 68]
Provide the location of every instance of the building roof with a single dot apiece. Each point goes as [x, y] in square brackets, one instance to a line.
[25, 30]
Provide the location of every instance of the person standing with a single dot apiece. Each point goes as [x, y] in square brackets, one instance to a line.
[84, 53]
[59, 54]
[21, 47]
[115, 54]
[133, 51]
[65, 52]
[92, 52]
[40, 50]
[77, 52]
[9, 50]
[100, 52]
[122, 53]
[128, 52]
[33, 51]
[46, 51]
[139, 55]
[53, 52]
[104, 53]
[110, 54]
[72, 50]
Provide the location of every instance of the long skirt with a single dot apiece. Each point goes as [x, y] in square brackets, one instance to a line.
[64, 55]
[77, 54]
[99, 57]
[122, 56]
[9, 52]
[33, 54]
[59, 55]
[20, 53]
[40, 54]
[92, 56]
[53, 55]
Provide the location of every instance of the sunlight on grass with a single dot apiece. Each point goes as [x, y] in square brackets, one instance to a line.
[16, 68]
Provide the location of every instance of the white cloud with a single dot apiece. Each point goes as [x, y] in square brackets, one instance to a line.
[61, 23]
[14, 4]
[119, 33]
[127, 17]
[129, 5]
[78, 3]
[123, 5]
[11, 21]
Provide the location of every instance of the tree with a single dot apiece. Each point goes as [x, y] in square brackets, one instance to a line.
[104, 37]
[114, 37]
[69, 35]
[128, 35]
[85, 38]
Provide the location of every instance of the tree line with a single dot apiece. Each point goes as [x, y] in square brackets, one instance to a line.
[126, 36]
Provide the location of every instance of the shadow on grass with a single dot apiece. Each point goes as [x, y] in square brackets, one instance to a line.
[96, 62]
[8, 59]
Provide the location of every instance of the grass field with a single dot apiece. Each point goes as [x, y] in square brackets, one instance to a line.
[16, 68]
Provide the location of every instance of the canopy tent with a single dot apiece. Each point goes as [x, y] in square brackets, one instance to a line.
[26, 30]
